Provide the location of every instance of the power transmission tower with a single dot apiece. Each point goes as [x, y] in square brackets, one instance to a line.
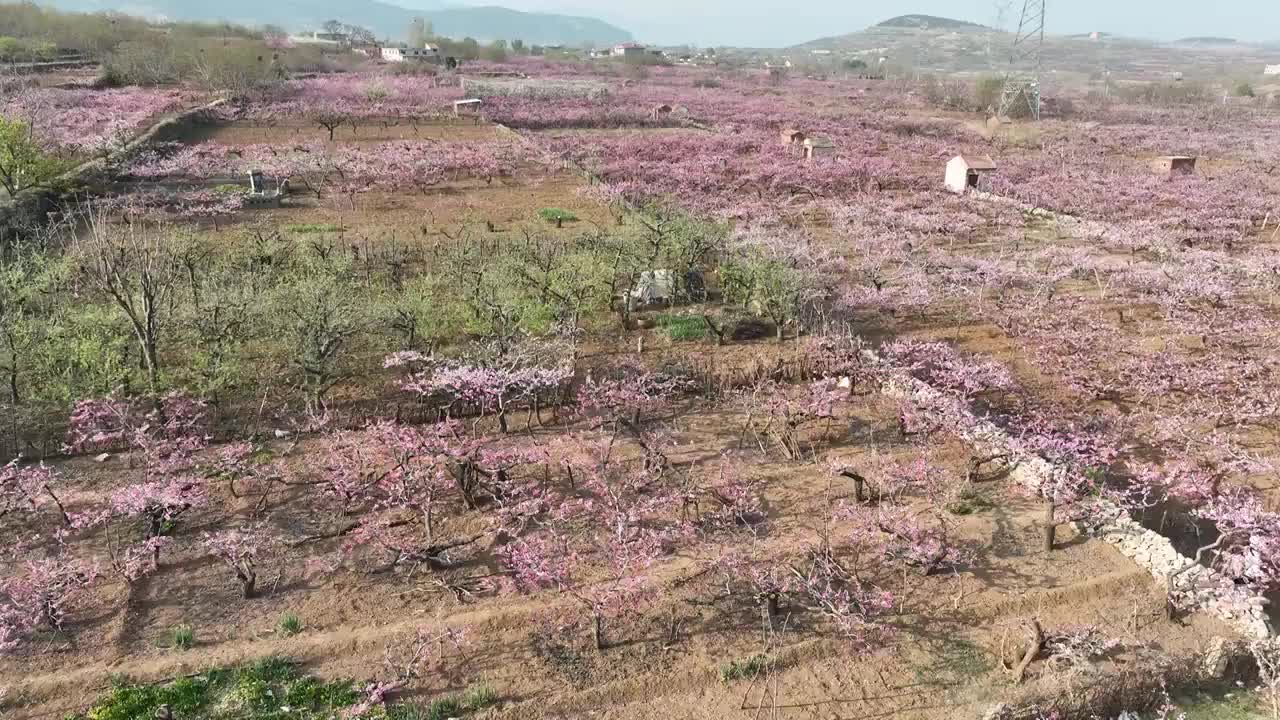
[1021, 91]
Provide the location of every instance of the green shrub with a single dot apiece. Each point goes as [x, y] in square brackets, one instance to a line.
[683, 327]
[23, 163]
[1244, 89]
[744, 669]
[182, 637]
[290, 625]
[557, 216]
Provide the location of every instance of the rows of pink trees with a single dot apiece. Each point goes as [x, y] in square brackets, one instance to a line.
[346, 170]
[587, 517]
[347, 102]
[87, 121]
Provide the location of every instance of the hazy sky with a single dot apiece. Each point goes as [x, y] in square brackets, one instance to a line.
[769, 23]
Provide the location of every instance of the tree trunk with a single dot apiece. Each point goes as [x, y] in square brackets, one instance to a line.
[766, 618]
[51, 615]
[152, 359]
[597, 631]
[1034, 643]
[155, 523]
[248, 581]
[1050, 527]
[13, 378]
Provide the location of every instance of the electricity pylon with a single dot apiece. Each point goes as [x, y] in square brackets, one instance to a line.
[1021, 91]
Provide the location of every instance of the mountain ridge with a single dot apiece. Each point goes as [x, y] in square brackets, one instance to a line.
[929, 22]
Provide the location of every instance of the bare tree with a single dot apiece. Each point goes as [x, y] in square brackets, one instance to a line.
[138, 265]
[321, 313]
[1267, 654]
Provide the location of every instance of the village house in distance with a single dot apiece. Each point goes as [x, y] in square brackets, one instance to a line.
[426, 53]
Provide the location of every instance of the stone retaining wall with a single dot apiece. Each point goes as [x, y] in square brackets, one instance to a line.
[1198, 587]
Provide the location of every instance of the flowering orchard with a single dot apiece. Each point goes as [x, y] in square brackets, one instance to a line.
[87, 122]
[750, 405]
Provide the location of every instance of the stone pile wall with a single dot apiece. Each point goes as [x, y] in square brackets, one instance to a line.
[1198, 587]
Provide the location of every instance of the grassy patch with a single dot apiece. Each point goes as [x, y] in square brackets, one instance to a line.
[970, 503]
[1234, 705]
[182, 637]
[479, 696]
[271, 689]
[290, 625]
[557, 216]
[953, 661]
[744, 669]
[476, 698]
[305, 228]
[683, 327]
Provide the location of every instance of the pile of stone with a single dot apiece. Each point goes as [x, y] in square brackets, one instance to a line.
[1194, 586]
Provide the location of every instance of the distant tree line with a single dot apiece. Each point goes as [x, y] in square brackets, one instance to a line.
[421, 32]
[42, 31]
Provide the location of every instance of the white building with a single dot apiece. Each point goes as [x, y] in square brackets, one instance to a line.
[400, 54]
[319, 38]
[818, 147]
[470, 106]
[966, 171]
[654, 286]
[1271, 70]
[628, 49]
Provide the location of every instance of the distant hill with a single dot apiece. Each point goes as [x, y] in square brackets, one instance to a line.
[385, 19]
[924, 43]
[543, 28]
[928, 22]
